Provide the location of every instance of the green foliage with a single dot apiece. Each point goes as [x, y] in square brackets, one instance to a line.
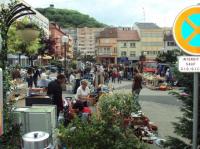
[98, 134]
[108, 131]
[168, 57]
[17, 43]
[69, 18]
[89, 58]
[56, 63]
[117, 105]
[11, 137]
[26, 24]
[175, 143]
[73, 64]
[183, 127]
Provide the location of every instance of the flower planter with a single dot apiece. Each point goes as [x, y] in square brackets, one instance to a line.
[28, 34]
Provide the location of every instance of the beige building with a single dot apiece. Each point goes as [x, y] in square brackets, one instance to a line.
[106, 46]
[128, 46]
[151, 37]
[86, 39]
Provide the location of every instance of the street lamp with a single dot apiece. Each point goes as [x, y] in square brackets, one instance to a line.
[65, 42]
[19, 57]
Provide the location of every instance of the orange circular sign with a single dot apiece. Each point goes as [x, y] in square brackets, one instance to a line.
[186, 30]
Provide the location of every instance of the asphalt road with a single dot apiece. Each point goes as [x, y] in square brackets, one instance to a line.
[161, 108]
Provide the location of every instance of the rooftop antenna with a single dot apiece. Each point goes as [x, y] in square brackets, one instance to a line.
[144, 15]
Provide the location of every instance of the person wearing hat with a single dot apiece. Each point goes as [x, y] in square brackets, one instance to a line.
[83, 92]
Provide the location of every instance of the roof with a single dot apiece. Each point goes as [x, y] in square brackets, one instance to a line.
[108, 33]
[128, 35]
[53, 25]
[168, 37]
[147, 25]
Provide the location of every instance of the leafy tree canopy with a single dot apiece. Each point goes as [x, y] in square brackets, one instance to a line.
[69, 18]
[169, 56]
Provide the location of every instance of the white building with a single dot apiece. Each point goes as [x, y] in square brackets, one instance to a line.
[169, 42]
[38, 19]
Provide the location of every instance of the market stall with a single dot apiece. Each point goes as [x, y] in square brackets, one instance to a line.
[155, 82]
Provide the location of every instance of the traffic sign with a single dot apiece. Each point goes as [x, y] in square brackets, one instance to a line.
[186, 30]
[189, 64]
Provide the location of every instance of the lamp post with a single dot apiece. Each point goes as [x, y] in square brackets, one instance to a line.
[19, 57]
[65, 42]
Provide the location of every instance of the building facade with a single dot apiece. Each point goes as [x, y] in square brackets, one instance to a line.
[151, 37]
[169, 42]
[86, 39]
[128, 46]
[106, 46]
[56, 36]
[72, 32]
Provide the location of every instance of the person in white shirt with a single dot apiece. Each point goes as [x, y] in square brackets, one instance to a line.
[72, 79]
[83, 92]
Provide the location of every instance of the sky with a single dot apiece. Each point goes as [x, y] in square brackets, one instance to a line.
[123, 12]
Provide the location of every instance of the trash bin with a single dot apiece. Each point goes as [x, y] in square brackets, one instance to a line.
[36, 140]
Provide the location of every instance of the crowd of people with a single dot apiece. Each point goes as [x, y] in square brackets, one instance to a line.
[79, 80]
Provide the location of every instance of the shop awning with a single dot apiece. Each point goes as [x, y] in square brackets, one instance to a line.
[47, 57]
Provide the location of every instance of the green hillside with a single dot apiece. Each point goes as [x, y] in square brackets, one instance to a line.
[69, 18]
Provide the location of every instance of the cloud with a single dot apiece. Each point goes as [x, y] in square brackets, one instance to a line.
[123, 12]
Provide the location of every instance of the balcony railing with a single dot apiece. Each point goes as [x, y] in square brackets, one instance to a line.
[106, 54]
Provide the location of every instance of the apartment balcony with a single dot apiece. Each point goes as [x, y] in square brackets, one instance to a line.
[109, 54]
[104, 45]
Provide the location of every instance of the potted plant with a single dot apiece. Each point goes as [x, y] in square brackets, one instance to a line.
[107, 131]
[27, 31]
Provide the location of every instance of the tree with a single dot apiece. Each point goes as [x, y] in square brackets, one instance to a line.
[16, 41]
[168, 57]
[69, 18]
[86, 58]
[184, 127]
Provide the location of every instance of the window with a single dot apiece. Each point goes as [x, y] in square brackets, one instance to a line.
[152, 34]
[171, 43]
[123, 54]
[132, 45]
[124, 44]
[152, 43]
[132, 53]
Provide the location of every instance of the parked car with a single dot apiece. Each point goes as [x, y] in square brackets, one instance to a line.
[150, 66]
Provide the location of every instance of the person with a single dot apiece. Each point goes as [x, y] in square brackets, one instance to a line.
[121, 73]
[137, 83]
[72, 81]
[43, 82]
[83, 92]
[113, 76]
[71, 78]
[35, 76]
[168, 76]
[77, 81]
[16, 74]
[54, 90]
[29, 77]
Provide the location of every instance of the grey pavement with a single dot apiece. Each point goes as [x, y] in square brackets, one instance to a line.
[161, 108]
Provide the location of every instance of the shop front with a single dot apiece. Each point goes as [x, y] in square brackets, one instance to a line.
[106, 60]
[122, 60]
